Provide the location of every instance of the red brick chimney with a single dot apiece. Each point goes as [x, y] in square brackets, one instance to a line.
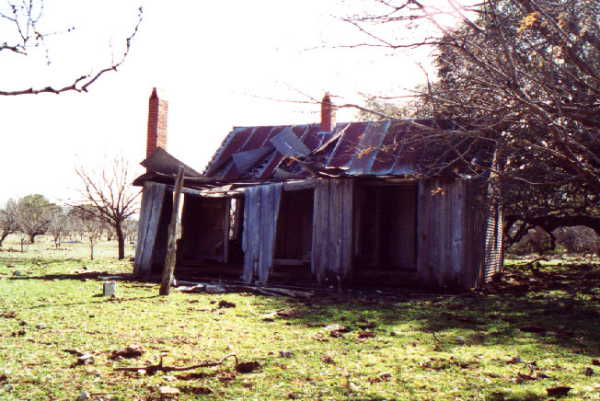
[327, 113]
[157, 123]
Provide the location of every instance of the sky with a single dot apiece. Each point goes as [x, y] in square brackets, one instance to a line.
[220, 64]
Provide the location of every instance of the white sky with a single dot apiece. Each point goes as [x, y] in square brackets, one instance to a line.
[217, 61]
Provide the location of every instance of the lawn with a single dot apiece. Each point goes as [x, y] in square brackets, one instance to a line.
[533, 333]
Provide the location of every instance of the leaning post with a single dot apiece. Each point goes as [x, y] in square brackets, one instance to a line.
[167, 274]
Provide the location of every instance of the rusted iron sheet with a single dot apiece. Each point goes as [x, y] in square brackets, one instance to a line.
[288, 144]
[246, 160]
[356, 149]
[161, 161]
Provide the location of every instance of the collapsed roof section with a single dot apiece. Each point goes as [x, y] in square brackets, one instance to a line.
[161, 166]
[294, 152]
[252, 155]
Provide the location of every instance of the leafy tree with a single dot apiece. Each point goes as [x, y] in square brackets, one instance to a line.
[34, 214]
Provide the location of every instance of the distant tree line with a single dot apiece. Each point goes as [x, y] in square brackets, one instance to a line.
[34, 215]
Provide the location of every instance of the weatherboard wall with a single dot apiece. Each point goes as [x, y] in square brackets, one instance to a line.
[450, 232]
[153, 201]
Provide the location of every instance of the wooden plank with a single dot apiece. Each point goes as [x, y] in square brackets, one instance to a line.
[475, 232]
[347, 228]
[167, 275]
[334, 232]
[455, 243]
[289, 262]
[320, 230]
[326, 228]
[251, 234]
[308, 183]
[145, 214]
[152, 203]
[260, 229]
[424, 236]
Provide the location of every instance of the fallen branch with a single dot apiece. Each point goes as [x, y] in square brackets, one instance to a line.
[159, 367]
[534, 264]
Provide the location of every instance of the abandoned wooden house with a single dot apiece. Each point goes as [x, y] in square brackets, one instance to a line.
[317, 204]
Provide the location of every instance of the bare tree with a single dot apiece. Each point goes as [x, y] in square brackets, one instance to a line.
[518, 75]
[92, 227]
[59, 226]
[518, 79]
[131, 230]
[24, 25]
[8, 220]
[109, 196]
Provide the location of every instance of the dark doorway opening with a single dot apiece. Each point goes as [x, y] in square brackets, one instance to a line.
[385, 234]
[293, 242]
[210, 244]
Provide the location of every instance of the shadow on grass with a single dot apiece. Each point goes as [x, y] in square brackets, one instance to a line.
[82, 276]
[558, 305]
[106, 300]
[25, 258]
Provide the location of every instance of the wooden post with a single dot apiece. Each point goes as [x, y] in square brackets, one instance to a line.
[167, 275]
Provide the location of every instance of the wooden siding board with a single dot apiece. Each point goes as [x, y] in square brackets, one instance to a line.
[347, 225]
[335, 221]
[424, 255]
[250, 235]
[152, 204]
[322, 236]
[456, 231]
[332, 250]
[260, 229]
[441, 233]
[160, 244]
[145, 215]
[474, 233]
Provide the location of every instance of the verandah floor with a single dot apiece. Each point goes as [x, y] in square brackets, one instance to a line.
[298, 276]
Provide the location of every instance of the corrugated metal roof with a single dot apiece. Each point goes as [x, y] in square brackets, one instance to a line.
[354, 149]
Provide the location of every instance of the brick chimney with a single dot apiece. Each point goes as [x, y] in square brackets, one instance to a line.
[157, 123]
[327, 113]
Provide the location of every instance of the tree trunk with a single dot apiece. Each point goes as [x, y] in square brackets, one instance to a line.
[3, 237]
[32, 238]
[91, 248]
[121, 240]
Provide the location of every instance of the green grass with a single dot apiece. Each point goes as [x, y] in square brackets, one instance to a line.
[533, 331]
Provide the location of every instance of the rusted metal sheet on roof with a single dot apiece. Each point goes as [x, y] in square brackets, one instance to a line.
[288, 144]
[245, 160]
[352, 149]
[161, 161]
[369, 147]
